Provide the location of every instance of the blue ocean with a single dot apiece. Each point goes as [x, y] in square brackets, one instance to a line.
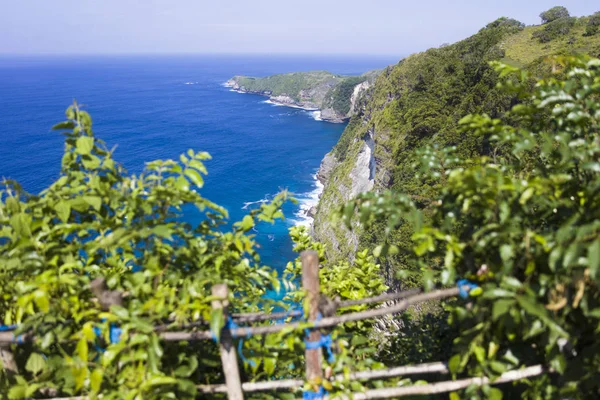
[157, 107]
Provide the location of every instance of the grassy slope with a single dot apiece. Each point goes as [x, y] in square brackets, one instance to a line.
[420, 101]
[522, 49]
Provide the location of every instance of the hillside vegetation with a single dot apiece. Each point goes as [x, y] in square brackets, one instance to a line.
[419, 101]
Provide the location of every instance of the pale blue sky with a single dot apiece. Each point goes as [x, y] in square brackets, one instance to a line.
[254, 26]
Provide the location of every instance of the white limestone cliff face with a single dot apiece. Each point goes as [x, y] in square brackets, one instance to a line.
[354, 99]
[363, 173]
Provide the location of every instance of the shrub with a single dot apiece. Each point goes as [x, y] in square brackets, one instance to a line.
[553, 14]
[593, 25]
[555, 29]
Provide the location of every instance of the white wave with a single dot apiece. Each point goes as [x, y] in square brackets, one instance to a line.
[249, 203]
[306, 202]
[191, 83]
[316, 115]
[272, 103]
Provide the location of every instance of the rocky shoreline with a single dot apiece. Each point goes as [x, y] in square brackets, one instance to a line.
[282, 100]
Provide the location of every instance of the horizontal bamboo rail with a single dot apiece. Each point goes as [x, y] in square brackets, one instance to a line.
[286, 384]
[441, 387]
[383, 393]
[8, 337]
[322, 323]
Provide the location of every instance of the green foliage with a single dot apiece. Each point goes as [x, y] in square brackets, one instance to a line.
[593, 25]
[343, 280]
[340, 95]
[553, 14]
[554, 29]
[524, 225]
[96, 221]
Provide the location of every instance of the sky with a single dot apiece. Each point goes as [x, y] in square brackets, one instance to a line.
[384, 27]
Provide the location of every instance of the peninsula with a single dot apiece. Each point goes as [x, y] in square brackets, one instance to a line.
[336, 97]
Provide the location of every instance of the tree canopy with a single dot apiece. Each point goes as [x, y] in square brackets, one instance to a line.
[553, 14]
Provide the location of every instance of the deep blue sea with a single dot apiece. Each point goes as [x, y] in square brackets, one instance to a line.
[157, 107]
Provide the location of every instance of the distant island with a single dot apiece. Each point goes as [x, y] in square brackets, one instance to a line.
[336, 97]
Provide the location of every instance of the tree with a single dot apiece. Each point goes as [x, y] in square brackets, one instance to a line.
[524, 225]
[593, 24]
[553, 14]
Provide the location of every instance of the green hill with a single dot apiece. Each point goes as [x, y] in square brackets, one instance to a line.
[418, 102]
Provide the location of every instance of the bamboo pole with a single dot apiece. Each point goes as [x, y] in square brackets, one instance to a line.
[226, 347]
[442, 387]
[287, 384]
[384, 393]
[311, 284]
[259, 316]
[7, 337]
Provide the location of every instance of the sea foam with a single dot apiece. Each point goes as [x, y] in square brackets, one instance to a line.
[306, 201]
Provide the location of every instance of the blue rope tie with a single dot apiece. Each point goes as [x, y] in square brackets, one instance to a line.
[326, 342]
[114, 336]
[310, 395]
[464, 292]
[6, 328]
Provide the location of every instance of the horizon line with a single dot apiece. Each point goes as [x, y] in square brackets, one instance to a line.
[8, 54]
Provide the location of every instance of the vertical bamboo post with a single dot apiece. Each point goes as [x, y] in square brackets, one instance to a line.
[8, 360]
[310, 283]
[226, 347]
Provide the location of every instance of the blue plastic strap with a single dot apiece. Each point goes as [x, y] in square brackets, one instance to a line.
[326, 342]
[310, 395]
[464, 287]
[115, 334]
[6, 328]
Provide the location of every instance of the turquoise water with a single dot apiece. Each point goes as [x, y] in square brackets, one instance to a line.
[157, 107]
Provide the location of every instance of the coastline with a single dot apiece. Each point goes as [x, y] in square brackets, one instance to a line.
[284, 101]
[308, 201]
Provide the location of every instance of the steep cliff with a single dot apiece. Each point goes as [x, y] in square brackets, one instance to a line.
[419, 101]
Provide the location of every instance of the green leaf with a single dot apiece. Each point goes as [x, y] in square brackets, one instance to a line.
[82, 350]
[35, 363]
[17, 392]
[494, 394]
[194, 176]
[84, 144]
[594, 258]
[217, 322]
[63, 210]
[96, 380]
[247, 223]
[501, 307]
[163, 231]
[66, 125]
[454, 364]
[94, 201]
[539, 311]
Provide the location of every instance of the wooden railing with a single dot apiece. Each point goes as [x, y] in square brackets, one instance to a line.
[233, 386]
